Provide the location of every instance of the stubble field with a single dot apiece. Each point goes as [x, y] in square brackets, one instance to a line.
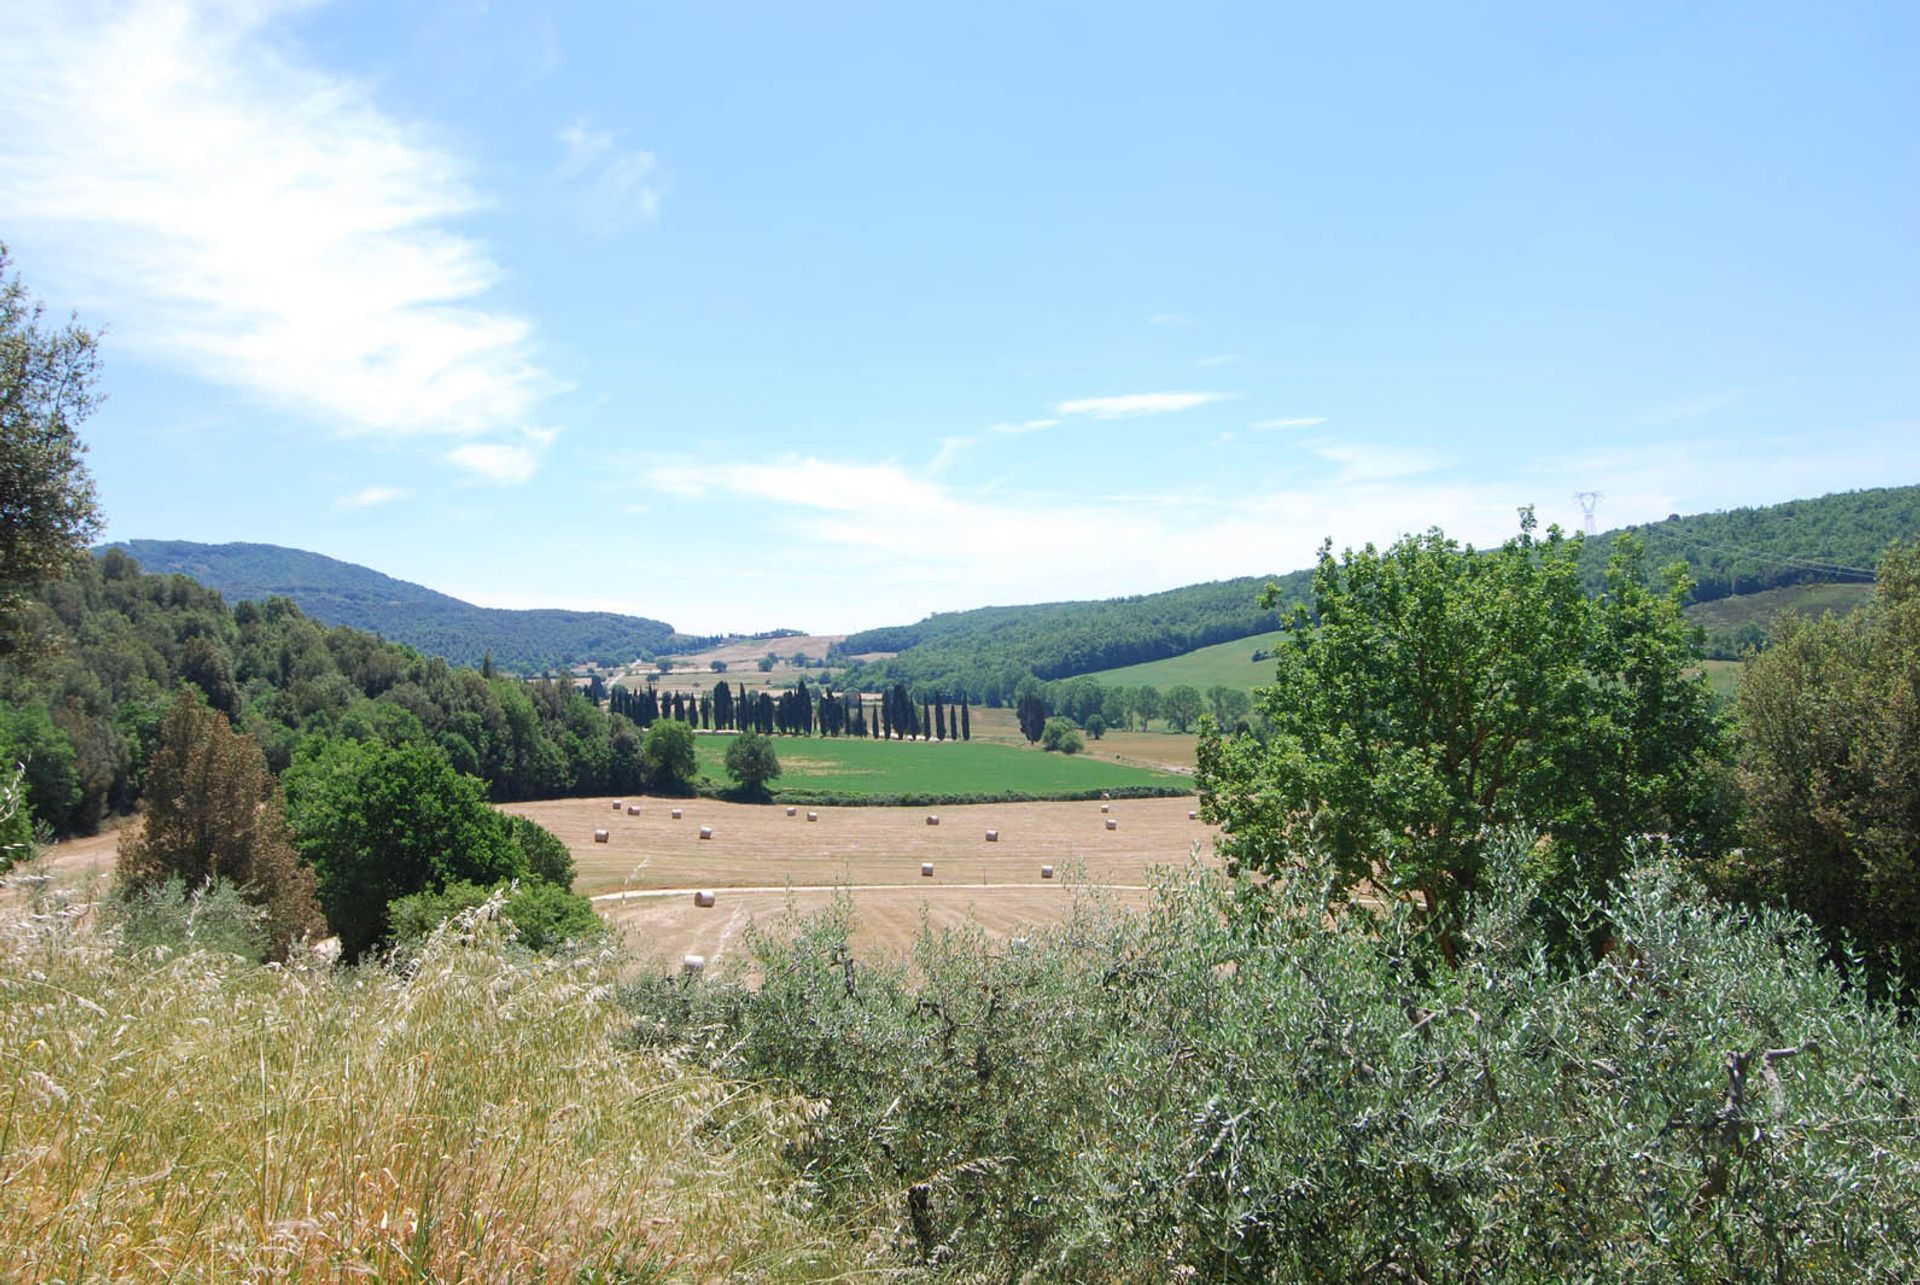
[760, 860]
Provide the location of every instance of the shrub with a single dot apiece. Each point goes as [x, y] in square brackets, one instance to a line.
[1062, 736]
[215, 917]
[544, 918]
[1258, 1083]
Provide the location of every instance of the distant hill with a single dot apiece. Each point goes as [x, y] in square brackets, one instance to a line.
[344, 593]
[986, 652]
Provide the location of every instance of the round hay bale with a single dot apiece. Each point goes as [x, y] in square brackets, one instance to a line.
[1112, 823]
[1193, 816]
[618, 804]
[676, 814]
[1105, 808]
[793, 811]
[703, 898]
[600, 836]
[993, 836]
[706, 832]
[1104, 795]
[692, 965]
[813, 816]
[926, 869]
[932, 819]
[633, 809]
[1046, 872]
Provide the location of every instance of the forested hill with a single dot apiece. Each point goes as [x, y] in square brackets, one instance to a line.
[985, 653]
[1833, 539]
[343, 593]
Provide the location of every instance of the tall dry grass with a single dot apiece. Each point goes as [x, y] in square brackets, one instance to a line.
[194, 1118]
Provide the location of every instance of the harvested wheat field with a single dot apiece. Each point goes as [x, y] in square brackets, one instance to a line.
[646, 873]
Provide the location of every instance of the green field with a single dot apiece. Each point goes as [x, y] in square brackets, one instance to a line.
[1228, 664]
[863, 768]
[1729, 614]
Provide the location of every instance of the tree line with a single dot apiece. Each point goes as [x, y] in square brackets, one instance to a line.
[800, 710]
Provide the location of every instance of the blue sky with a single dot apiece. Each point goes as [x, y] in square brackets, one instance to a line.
[755, 316]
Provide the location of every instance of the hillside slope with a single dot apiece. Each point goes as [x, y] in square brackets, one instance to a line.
[344, 593]
[985, 653]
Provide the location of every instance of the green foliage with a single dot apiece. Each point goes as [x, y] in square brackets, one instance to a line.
[1830, 762]
[988, 652]
[1031, 711]
[380, 822]
[545, 917]
[1181, 706]
[546, 858]
[1243, 663]
[29, 738]
[667, 759]
[1096, 726]
[343, 593]
[47, 505]
[1749, 550]
[16, 817]
[213, 916]
[1256, 1085]
[752, 762]
[1062, 736]
[214, 812]
[1438, 694]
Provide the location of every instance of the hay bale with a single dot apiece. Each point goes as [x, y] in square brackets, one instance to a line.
[1105, 808]
[1046, 872]
[1193, 816]
[693, 965]
[793, 811]
[600, 836]
[618, 804]
[1112, 823]
[926, 869]
[1104, 795]
[703, 898]
[676, 814]
[932, 819]
[706, 832]
[993, 836]
[633, 809]
[813, 816]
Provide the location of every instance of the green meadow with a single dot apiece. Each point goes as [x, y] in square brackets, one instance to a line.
[1227, 664]
[896, 769]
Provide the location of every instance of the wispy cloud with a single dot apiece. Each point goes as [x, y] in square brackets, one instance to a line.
[507, 464]
[620, 180]
[1129, 405]
[1026, 426]
[261, 222]
[1297, 421]
[1170, 319]
[1219, 359]
[368, 496]
[950, 449]
[1371, 463]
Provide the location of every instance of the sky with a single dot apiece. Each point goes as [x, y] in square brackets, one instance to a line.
[757, 316]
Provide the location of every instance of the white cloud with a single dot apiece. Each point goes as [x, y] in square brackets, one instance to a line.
[1170, 319]
[950, 449]
[257, 220]
[1366, 463]
[1219, 359]
[1298, 421]
[1026, 426]
[505, 463]
[368, 496]
[620, 180]
[1131, 404]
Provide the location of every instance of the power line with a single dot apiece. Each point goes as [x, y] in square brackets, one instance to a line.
[1804, 564]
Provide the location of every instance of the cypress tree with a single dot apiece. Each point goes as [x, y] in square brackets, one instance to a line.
[966, 721]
